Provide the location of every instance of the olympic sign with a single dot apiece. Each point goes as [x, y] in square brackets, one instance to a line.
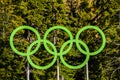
[62, 51]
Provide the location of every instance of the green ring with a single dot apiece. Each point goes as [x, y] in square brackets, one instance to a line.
[101, 33]
[53, 28]
[84, 62]
[40, 67]
[13, 34]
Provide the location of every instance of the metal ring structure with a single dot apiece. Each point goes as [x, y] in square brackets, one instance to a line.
[62, 50]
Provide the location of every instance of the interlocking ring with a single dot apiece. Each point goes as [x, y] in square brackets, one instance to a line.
[62, 52]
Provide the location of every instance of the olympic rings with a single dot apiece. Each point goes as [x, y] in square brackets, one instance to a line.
[54, 50]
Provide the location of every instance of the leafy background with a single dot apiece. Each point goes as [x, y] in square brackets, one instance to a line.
[73, 14]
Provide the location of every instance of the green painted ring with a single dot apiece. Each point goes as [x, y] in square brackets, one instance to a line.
[12, 37]
[53, 28]
[84, 62]
[101, 33]
[41, 67]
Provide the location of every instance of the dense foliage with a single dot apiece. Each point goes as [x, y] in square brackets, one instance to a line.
[73, 14]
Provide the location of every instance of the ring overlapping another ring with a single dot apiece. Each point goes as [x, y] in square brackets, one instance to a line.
[12, 42]
[54, 52]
